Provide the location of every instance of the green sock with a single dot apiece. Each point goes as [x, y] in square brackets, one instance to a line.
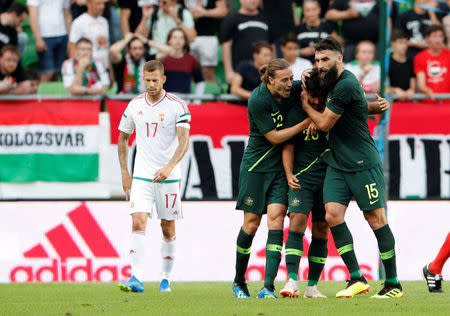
[273, 257]
[344, 243]
[317, 255]
[244, 243]
[294, 251]
[386, 245]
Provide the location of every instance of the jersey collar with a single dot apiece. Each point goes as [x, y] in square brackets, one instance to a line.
[157, 102]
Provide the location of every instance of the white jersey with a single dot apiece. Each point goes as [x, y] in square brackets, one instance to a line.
[156, 138]
[373, 76]
[97, 31]
[300, 65]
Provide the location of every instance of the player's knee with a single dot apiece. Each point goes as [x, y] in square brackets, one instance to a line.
[251, 227]
[298, 222]
[168, 229]
[168, 234]
[139, 221]
[332, 219]
[376, 218]
[138, 226]
[275, 222]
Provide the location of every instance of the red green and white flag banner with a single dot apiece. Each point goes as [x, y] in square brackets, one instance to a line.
[51, 140]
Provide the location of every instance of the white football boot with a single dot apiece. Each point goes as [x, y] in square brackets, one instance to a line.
[313, 292]
[290, 289]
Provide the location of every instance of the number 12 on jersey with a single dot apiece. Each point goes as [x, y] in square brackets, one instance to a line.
[151, 127]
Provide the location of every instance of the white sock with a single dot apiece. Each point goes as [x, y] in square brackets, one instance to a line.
[168, 247]
[137, 254]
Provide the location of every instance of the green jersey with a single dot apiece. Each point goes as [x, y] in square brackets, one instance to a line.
[266, 113]
[352, 146]
[308, 150]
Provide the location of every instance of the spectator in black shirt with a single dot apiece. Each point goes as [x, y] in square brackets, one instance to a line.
[360, 22]
[5, 4]
[77, 8]
[239, 31]
[281, 16]
[324, 5]
[206, 45]
[10, 21]
[247, 77]
[415, 22]
[401, 69]
[313, 29]
[130, 15]
[13, 78]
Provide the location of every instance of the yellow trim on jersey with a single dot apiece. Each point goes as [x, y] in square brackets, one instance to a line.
[259, 160]
[312, 163]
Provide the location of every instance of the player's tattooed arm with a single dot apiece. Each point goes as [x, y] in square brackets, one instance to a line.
[379, 106]
[183, 145]
[324, 120]
[288, 163]
[122, 147]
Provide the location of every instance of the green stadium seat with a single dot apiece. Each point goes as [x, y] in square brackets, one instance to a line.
[112, 90]
[212, 88]
[52, 88]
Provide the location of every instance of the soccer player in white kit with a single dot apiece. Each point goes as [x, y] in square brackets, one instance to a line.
[161, 121]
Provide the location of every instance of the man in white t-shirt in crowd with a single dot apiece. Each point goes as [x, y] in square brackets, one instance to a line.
[290, 48]
[93, 26]
[50, 22]
[81, 74]
[364, 68]
[157, 22]
[207, 15]
[161, 121]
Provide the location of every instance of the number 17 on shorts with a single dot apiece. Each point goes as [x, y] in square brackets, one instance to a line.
[168, 201]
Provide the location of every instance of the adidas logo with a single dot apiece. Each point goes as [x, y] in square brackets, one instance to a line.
[65, 243]
[175, 213]
[140, 113]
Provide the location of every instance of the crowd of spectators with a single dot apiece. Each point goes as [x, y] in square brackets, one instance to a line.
[93, 46]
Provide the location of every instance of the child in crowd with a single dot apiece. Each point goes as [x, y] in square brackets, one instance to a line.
[401, 70]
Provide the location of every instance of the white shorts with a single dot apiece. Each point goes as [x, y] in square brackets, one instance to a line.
[147, 196]
[206, 50]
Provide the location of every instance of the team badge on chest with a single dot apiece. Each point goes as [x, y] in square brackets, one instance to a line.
[161, 116]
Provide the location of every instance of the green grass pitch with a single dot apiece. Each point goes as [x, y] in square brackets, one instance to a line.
[208, 298]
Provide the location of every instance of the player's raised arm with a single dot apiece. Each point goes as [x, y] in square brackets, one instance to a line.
[324, 120]
[180, 151]
[276, 137]
[122, 147]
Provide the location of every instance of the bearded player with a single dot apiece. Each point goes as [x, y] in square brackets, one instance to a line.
[354, 169]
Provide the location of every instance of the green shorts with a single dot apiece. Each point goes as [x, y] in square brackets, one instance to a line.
[308, 199]
[366, 186]
[259, 189]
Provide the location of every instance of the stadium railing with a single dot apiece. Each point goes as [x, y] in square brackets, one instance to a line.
[186, 97]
